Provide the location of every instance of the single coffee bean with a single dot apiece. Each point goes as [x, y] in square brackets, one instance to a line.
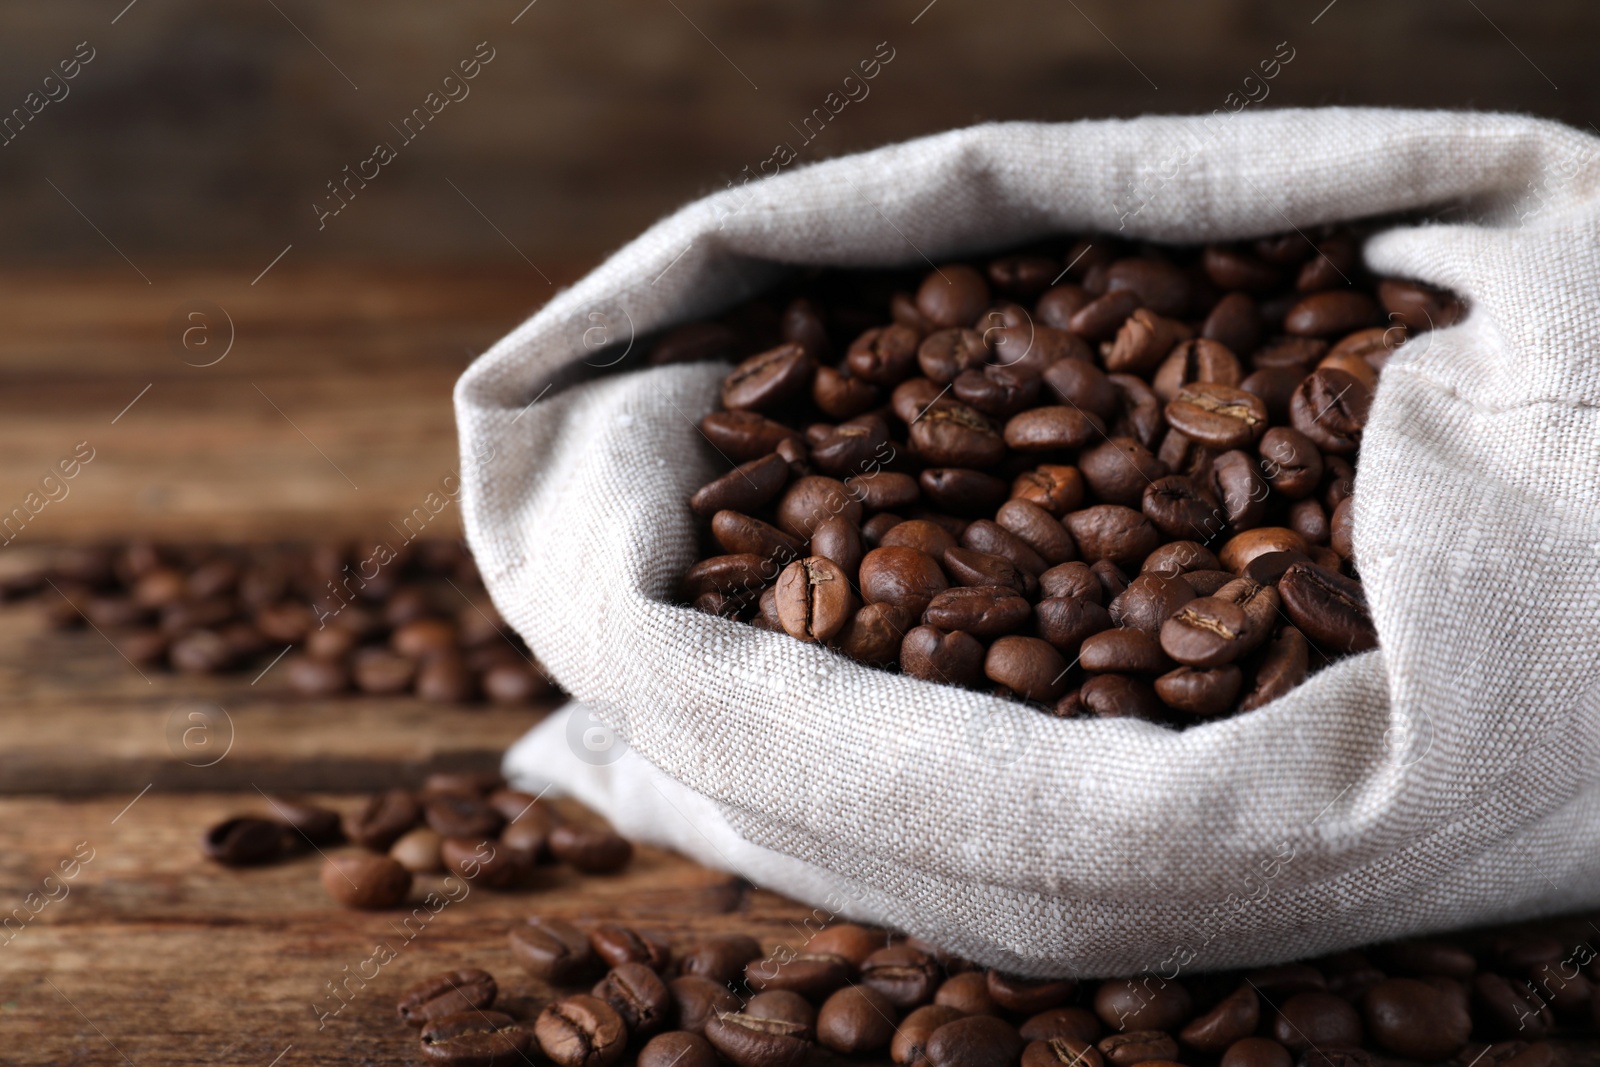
[1149, 600]
[1308, 519]
[1118, 696]
[243, 841]
[967, 991]
[446, 679]
[857, 1018]
[873, 634]
[951, 434]
[485, 862]
[590, 850]
[418, 851]
[1330, 408]
[962, 491]
[841, 394]
[1510, 1008]
[1198, 359]
[1160, 286]
[699, 1000]
[814, 599]
[1200, 692]
[1256, 1052]
[476, 1039]
[1120, 469]
[617, 944]
[1176, 558]
[744, 435]
[1108, 315]
[991, 537]
[976, 1041]
[1071, 580]
[747, 487]
[1285, 980]
[885, 355]
[1413, 1019]
[638, 995]
[1142, 342]
[1080, 384]
[1231, 268]
[849, 940]
[1037, 529]
[769, 379]
[970, 567]
[1061, 1052]
[1316, 1020]
[874, 529]
[447, 993]
[1059, 303]
[811, 499]
[310, 822]
[751, 1042]
[1066, 622]
[739, 534]
[461, 815]
[1182, 507]
[910, 1042]
[1422, 957]
[1336, 311]
[883, 490]
[853, 447]
[904, 975]
[1208, 583]
[1217, 416]
[677, 1048]
[1054, 488]
[902, 576]
[581, 1031]
[1234, 322]
[1240, 549]
[721, 958]
[381, 821]
[1112, 532]
[983, 611]
[946, 354]
[1029, 667]
[998, 390]
[1206, 632]
[1137, 1046]
[1029, 996]
[366, 882]
[812, 975]
[1328, 607]
[1233, 1019]
[731, 575]
[955, 658]
[1051, 429]
[1144, 1002]
[1417, 306]
[1073, 1024]
[953, 295]
[926, 537]
[1125, 651]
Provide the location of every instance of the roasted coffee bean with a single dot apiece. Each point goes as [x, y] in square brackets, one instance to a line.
[1330, 313]
[750, 1042]
[590, 850]
[1330, 408]
[638, 995]
[1309, 520]
[1119, 470]
[991, 537]
[1240, 549]
[1137, 1046]
[677, 1048]
[946, 354]
[446, 679]
[418, 851]
[874, 529]
[1144, 1002]
[1160, 286]
[953, 295]
[1142, 342]
[985, 611]
[461, 815]
[617, 944]
[366, 882]
[1036, 528]
[1054, 488]
[1033, 348]
[747, 487]
[1328, 607]
[812, 975]
[1029, 667]
[1217, 416]
[1423, 958]
[1061, 1052]
[446, 994]
[1105, 316]
[786, 1007]
[1207, 632]
[1233, 1019]
[933, 655]
[1116, 696]
[1112, 578]
[902, 576]
[1050, 429]
[1509, 1008]
[1176, 558]
[1066, 622]
[731, 575]
[842, 395]
[721, 958]
[1204, 693]
[904, 975]
[311, 822]
[1071, 1024]
[382, 819]
[581, 1031]
[1059, 303]
[1112, 532]
[1285, 980]
[1149, 600]
[1182, 508]
[910, 1042]
[1235, 322]
[694, 342]
[1196, 360]
[853, 447]
[1256, 1052]
[970, 567]
[700, 999]
[1415, 1020]
[1080, 384]
[767, 380]
[883, 490]
[967, 991]
[814, 600]
[1125, 651]
[884, 355]
[243, 841]
[874, 633]
[926, 537]
[744, 435]
[1316, 1020]
[740, 534]
[1029, 996]
[811, 499]
[951, 434]
[1417, 306]
[1241, 491]
[976, 1041]
[477, 1039]
[1071, 580]
[856, 1018]
[997, 390]
[961, 491]
[1208, 582]
[485, 862]
[849, 940]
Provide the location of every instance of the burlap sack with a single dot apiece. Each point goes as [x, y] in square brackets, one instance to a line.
[1445, 779]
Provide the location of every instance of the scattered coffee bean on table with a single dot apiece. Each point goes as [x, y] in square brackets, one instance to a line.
[1103, 479]
[848, 993]
[381, 620]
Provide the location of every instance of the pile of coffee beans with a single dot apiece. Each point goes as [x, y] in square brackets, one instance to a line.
[468, 825]
[609, 991]
[389, 621]
[1123, 494]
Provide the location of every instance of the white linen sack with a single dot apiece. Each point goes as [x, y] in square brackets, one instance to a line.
[1447, 778]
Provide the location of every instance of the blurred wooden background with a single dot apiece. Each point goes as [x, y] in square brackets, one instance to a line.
[185, 158]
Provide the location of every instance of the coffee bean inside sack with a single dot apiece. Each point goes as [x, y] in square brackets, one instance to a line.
[1104, 479]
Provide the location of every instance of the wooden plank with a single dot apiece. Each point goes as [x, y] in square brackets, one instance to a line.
[80, 719]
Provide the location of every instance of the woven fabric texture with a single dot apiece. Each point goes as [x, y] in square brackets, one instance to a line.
[1447, 778]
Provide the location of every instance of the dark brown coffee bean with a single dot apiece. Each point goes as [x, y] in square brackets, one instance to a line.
[1124, 651]
[814, 599]
[1256, 1052]
[1182, 508]
[1080, 384]
[964, 492]
[734, 575]
[1071, 580]
[1137, 1046]
[854, 447]
[366, 882]
[721, 957]
[935, 656]
[910, 1042]
[1316, 1020]
[1307, 519]
[904, 975]
[1148, 601]
[1143, 342]
[617, 944]
[243, 841]
[967, 991]
[1233, 1019]
[1176, 558]
[747, 487]
[901, 576]
[743, 435]
[1200, 692]
[677, 1048]
[914, 396]
[382, 819]
[770, 379]
[926, 537]
[749, 1042]
[581, 1031]
[638, 995]
[1059, 303]
[856, 1018]
[1194, 361]
[976, 1041]
[997, 390]
[1061, 1052]
[784, 1007]
[951, 434]
[1066, 622]
[1268, 567]
[1234, 322]
[983, 611]
[874, 529]
[874, 633]
[1260, 604]
[1217, 416]
[476, 1039]
[1508, 1007]
[311, 823]
[1290, 463]
[1112, 578]
[946, 354]
[1033, 348]
[1037, 529]
[1207, 583]
[1029, 996]
[1161, 287]
[1074, 1024]
[1112, 532]
[839, 541]
[841, 395]
[1417, 306]
[1050, 429]
[1330, 407]
[812, 975]
[1423, 958]
[1241, 550]
[1413, 1019]
[590, 850]
[1053, 488]
[1105, 315]
[1023, 276]
[884, 490]
[992, 538]
[1336, 311]
[461, 815]
[699, 1000]
[419, 851]
[1207, 632]
[953, 295]
[1285, 980]
[1120, 470]
[1233, 268]
[1241, 491]
[447, 993]
[739, 534]
[485, 862]
[1029, 667]
[1144, 1002]
[1118, 696]
[809, 500]
[1328, 607]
